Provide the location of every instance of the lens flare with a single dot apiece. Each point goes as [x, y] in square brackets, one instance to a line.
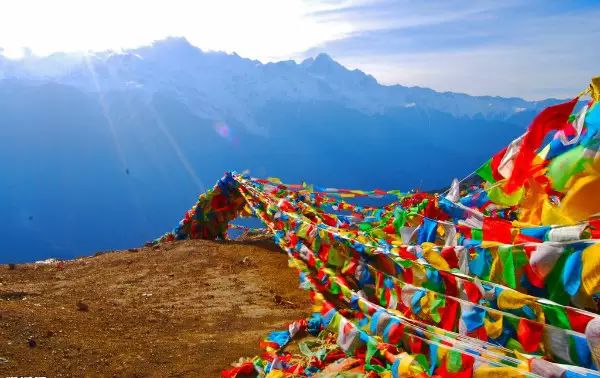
[224, 131]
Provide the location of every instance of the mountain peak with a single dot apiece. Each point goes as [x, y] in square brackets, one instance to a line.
[167, 49]
[177, 45]
[323, 64]
[320, 59]
[324, 57]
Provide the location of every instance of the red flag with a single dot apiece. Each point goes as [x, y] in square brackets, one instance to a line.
[244, 369]
[552, 118]
[472, 291]
[529, 334]
[578, 320]
[533, 277]
[497, 230]
[448, 321]
[450, 256]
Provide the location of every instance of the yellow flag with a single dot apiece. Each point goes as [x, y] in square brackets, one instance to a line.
[590, 272]
[512, 300]
[496, 372]
[582, 199]
[404, 368]
[493, 326]
[551, 215]
[434, 258]
[595, 88]
[531, 206]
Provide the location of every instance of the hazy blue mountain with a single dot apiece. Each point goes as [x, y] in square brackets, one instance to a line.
[108, 150]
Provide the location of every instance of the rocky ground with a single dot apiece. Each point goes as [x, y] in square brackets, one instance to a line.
[183, 309]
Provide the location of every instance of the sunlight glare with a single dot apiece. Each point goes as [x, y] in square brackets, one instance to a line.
[246, 27]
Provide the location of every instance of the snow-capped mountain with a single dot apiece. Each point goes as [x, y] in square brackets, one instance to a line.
[217, 85]
[107, 150]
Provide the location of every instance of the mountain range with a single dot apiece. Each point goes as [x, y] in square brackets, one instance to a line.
[107, 150]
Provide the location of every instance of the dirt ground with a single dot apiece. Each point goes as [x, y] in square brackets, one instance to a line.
[184, 309]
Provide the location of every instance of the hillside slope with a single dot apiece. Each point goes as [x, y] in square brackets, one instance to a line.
[185, 309]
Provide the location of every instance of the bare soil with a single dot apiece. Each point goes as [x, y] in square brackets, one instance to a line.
[182, 309]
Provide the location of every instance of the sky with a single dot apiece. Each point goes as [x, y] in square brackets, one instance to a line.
[533, 49]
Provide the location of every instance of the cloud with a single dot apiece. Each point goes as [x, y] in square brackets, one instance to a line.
[401, 14]
[533, 50]
[262, 29]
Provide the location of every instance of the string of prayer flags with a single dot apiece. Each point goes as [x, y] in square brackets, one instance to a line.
[497, 278]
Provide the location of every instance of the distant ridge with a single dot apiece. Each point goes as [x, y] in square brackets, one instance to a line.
[132, 136]
[172, 63]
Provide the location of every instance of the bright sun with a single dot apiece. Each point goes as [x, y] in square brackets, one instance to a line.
[261, 29]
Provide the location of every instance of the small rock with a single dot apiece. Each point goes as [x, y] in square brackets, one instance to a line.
[246, 261]
[31, 342]
[11, 266]
[278, 299]
[133, 249]
[81, 306]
